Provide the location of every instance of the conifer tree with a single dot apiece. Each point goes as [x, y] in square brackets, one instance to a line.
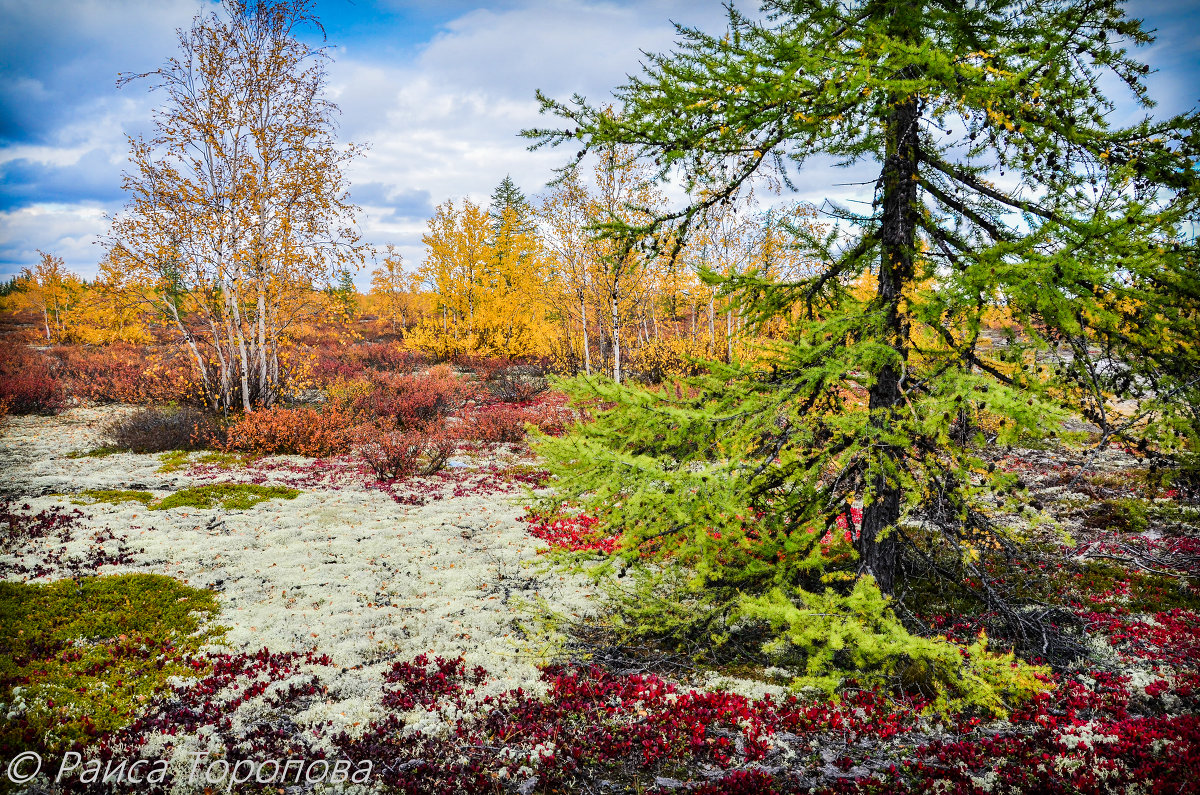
[507, 197]
[999, 183]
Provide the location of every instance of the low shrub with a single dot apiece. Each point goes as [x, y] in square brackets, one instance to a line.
[507, 422]
[518, 384]
[414, 402]
[502, 423]
[389, 357]
[297, 430]
[393, 455]
[123, 373]
[86, 655]
[485, 368]
[156, 430]
[28, 384]
[331, 363]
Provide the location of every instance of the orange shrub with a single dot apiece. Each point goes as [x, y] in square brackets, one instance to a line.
[299, 430]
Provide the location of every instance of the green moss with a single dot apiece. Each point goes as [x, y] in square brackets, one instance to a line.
[223, 460]
[173, 460]
[78, 659]
[114, 496]
[230, 496]
[1125, 514]
[97, 452]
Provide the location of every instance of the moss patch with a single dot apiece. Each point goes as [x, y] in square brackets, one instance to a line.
[223, 460]
[173, 460]
[114, 496]
[230, 496]
[97, 452]
[78, 659]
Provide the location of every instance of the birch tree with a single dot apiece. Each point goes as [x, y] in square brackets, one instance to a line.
[50, 289]
[237, 203]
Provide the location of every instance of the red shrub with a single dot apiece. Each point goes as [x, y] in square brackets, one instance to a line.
[296, 430]
[27, 382]
[390, 357]
[572, 533]
[332, 363]
[416, 401]
[393, 455]
[506, 422]
[485, 368]
[497, 423]
[123, 373]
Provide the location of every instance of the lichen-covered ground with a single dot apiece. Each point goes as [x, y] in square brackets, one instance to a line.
[361, 575]
[356, 623]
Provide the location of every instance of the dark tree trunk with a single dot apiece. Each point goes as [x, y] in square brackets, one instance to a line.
[877, 555]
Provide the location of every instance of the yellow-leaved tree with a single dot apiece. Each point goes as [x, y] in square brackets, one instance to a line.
[394, 293]
[488, 275]
[51, 291]
[237, 205]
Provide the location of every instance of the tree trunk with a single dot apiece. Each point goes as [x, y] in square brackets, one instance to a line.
[265, 386]
[712, 323]
[238, 338]
[729, 335]
[191, 343]
[587, 350]
[877, 546]
[616, 336]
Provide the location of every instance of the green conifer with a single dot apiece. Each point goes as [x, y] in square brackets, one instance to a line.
[1000, 185]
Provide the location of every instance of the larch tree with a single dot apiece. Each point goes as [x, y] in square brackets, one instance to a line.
[999, 182]
[238, 207]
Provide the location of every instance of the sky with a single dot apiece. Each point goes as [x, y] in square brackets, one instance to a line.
[437, 89]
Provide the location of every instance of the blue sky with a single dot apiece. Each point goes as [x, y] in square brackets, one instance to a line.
[438, 89]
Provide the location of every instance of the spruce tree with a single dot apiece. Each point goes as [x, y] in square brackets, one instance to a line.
[507, 197]
[512, 225]
[1000, 185]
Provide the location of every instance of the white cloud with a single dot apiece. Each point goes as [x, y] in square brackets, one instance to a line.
[442, 119]
[69, 231]
[448, 122]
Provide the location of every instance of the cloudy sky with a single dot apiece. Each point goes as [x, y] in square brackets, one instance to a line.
[438, 89]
